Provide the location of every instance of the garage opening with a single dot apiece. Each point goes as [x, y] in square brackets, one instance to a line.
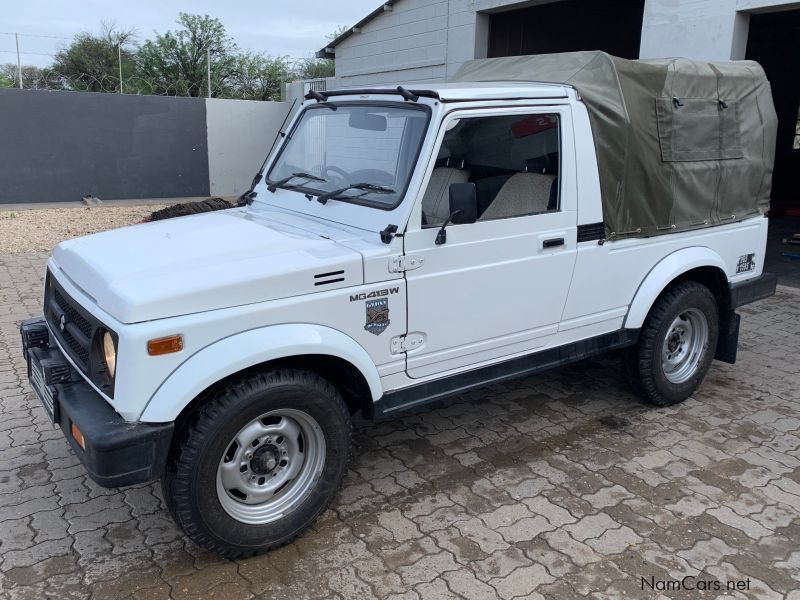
[773, 42]
[614, 26]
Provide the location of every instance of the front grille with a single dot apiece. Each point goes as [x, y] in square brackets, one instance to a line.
[71, 314]
[76, 330]
[69, 324]
[78, 349]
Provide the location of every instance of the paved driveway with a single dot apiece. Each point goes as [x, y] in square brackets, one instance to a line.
[557, 486]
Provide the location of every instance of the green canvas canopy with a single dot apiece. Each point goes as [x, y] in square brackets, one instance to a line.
[680, 143]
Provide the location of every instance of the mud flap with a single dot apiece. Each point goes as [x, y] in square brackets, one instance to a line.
[728, 342]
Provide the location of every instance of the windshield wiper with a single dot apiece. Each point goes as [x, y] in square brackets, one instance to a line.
[366, 187]
[282, 182]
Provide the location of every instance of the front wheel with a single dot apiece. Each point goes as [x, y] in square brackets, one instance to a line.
[676, 345]
[259, 462]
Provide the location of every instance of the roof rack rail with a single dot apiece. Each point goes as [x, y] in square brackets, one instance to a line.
[384, 91]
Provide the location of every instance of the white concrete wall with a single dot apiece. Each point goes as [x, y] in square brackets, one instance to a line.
[240, 133]
[703, 29]
[405, 44]
[421, 41]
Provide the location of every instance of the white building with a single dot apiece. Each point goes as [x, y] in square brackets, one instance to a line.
[428, 40]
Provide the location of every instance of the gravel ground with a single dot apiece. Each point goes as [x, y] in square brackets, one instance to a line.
[39, 230]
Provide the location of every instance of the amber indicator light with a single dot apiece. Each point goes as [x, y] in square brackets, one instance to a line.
[165, 345]
[76, 433]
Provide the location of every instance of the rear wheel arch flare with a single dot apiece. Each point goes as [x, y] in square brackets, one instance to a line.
[699, 264]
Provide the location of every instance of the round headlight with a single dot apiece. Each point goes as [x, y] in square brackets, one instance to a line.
[110, 353]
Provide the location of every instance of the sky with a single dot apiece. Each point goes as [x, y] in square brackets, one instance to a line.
[296, 28]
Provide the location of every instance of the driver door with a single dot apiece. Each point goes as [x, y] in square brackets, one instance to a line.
[497, 287]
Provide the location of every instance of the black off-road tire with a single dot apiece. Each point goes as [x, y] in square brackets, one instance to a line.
[189, 483]
[190, 208]
[642, 363]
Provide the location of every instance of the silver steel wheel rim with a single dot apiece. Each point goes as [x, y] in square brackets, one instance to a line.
[684, 345]
[270, 466]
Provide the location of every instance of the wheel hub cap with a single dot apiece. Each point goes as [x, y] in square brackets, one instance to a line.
[270, 466]
[684, 346]
[264, 460]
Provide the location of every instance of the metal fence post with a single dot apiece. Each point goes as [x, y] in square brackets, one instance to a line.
[19, 62]
[119, 54]
[208, 64]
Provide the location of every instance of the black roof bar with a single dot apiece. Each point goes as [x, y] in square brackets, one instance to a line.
[319, 97]
[409, 96]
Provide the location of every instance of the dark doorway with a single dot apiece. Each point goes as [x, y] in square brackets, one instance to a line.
[773, 42]
[614, 26]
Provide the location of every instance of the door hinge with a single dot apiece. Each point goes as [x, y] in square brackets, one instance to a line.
[399, 264]
[407, 343]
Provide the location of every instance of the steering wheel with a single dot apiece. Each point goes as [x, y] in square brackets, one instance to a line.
[340, 173]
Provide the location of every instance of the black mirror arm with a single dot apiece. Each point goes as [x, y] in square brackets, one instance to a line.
[441, 237]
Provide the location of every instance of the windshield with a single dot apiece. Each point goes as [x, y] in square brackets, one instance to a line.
[357, 152]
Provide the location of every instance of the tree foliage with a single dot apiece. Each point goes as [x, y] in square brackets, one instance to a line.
[6, 81]
[260, 77]
[33, 78]
[176, 63]
[316, 68]
[91, 63]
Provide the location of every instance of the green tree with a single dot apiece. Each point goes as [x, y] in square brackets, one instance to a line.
[175, 63]
[260, 77]
[319, 68]
[91, 63]
[33, 78]
[6, 81]
[316, 68]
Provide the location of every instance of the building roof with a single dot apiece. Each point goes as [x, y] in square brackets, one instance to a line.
[328, 50]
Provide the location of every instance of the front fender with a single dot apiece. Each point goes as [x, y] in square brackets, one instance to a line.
[250, 348]
[663, 274]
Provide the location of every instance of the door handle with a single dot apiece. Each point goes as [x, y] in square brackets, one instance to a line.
[553, 243]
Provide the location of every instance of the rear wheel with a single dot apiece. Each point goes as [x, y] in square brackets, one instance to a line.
[676, 345]
[259, 462]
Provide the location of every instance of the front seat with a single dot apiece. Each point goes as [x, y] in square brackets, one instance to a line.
[534, 191]
[436, 201]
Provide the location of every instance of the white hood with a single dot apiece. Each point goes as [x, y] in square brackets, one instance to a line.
[203, 262]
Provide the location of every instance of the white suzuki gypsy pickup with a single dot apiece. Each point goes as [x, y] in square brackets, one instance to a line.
[404, 245]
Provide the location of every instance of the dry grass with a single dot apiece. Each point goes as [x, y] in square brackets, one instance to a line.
[39, 230]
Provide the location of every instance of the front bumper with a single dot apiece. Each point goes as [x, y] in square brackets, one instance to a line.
[115, 452]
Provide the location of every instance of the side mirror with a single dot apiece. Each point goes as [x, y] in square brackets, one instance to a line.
[463, 208]
[463, 198]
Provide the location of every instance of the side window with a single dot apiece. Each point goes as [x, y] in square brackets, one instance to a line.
[513, 161]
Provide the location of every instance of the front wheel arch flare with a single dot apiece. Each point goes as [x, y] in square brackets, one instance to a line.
[248, 349]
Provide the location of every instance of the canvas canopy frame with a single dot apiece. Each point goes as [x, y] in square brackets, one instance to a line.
[681, 144]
